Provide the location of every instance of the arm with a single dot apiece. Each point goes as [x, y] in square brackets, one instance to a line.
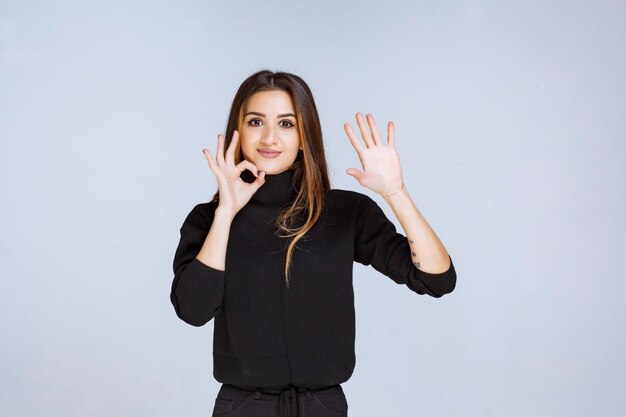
[199, 264]
[198, 285]
[378, 243]
[427, 251]
[213, 251]
[387, 250]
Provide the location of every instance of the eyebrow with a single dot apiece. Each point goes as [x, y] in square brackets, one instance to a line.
[262, 115]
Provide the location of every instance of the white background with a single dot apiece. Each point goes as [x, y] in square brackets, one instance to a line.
[510, 127]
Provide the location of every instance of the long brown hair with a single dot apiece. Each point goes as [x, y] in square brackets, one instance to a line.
[310, 175]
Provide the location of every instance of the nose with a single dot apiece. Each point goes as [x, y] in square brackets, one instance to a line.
[269, 136]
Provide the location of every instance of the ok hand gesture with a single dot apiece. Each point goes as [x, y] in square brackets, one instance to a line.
[234, 193]
[381, 164]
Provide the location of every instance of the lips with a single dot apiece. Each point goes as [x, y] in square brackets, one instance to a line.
[269, 153]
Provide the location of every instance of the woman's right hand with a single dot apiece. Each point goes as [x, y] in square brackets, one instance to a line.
[234, 193]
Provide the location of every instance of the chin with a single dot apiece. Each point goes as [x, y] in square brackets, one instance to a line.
[273, 170]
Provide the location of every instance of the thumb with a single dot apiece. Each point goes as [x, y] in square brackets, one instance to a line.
[260, 179]
[355, 173]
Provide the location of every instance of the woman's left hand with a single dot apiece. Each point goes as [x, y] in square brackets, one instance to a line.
[381, 163]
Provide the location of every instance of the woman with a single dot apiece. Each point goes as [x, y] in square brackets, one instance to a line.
[270, 257]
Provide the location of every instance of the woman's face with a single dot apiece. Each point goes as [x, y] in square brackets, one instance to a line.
[269, 136]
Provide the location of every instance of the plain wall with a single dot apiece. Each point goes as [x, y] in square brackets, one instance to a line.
[511, 132]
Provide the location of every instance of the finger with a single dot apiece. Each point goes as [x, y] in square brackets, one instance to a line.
[357, 174]
[220, 149]
[230, 153]
[207, 155]
[391, 134]
[364, 131]
[260, 180]
[372, 124]
[211, 161]
[353, 139]
[241, 166]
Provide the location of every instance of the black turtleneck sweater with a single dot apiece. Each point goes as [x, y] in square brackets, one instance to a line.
[270, 336]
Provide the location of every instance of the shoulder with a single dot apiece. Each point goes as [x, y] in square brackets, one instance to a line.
[348, 196]
[358, 206]
[355, 201]
[339, 194]
[206, 208]
[201, 214]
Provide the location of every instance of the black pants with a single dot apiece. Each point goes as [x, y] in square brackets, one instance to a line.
[233, 401]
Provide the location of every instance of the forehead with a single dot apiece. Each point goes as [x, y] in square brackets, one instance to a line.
[270, 102]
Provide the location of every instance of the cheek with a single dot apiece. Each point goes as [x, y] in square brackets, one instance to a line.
[244, 143]
[294, 140]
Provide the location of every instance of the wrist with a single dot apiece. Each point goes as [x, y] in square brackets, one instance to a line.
[224, 215]
[395, 192]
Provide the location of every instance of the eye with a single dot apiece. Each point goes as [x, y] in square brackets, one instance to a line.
[288, 123]
[251, 122]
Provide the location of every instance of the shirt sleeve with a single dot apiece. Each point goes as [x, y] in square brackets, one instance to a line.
[197, 289]
[378, 243]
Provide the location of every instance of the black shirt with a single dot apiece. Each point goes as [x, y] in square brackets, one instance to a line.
[270, 336]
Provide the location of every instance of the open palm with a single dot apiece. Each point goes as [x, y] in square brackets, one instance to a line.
[381, 172]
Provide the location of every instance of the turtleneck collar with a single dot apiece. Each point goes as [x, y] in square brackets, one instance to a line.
[277, 189]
